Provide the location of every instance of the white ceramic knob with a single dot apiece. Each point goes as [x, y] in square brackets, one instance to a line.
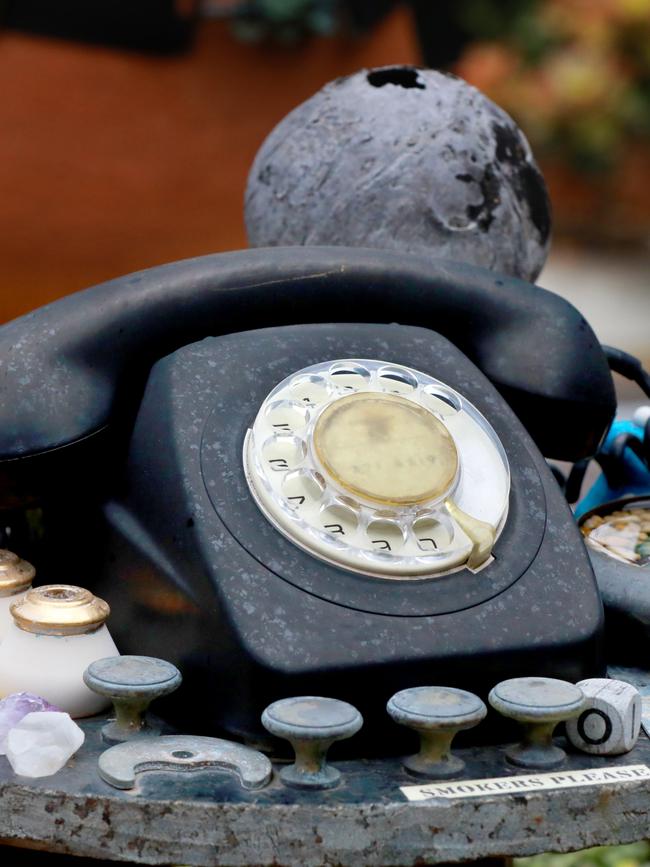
[57, 631]
[16, 576]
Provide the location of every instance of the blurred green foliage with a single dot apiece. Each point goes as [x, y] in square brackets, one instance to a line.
[284, 21]
[632, 855]
[574, 73]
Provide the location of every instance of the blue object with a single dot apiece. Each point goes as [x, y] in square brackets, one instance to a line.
[633, 471]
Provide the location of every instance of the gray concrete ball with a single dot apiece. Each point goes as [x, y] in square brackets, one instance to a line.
[402, 158]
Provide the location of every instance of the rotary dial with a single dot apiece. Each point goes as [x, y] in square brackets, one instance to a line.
[378, 468]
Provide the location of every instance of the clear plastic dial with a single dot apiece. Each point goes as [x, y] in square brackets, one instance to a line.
[378, 468]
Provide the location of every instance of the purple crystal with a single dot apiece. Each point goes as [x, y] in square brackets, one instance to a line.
[14, 707]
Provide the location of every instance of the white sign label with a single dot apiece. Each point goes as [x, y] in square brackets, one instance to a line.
[532, 783]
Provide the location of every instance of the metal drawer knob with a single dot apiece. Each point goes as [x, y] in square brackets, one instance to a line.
[132, 683]
[311, 724]
[539, 704]
[436, 713]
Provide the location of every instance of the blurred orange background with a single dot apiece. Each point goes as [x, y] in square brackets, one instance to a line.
[112, 161]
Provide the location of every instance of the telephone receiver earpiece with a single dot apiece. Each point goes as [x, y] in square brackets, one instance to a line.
[71, 370]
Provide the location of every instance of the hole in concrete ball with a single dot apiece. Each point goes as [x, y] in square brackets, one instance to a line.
[403, 76]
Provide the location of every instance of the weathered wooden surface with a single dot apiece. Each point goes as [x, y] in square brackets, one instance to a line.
[205, 818]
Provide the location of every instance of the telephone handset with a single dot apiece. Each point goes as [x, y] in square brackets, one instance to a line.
[338, 509]
[69, 369]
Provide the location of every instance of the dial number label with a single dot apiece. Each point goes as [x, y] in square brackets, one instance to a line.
[284, 453]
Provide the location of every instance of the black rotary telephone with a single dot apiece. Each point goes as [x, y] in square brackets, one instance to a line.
[284, 498]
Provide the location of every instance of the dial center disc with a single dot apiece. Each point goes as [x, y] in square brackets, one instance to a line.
[386, 449]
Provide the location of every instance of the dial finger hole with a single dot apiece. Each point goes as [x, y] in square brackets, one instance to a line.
[440, 400]
[310, 390]
[431, 534]
[302, 489]
[386, 514]
[349, 377]
[283, 453]
[338, 520]
[385, 535]
[349, 502]
[397, 380]
[285, 415]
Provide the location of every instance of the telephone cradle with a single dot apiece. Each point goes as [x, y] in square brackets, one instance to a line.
[283, 498]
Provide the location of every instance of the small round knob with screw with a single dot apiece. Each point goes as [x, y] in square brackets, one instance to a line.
[311, 724]
[436, 713]
[539, 704]
[132, 683]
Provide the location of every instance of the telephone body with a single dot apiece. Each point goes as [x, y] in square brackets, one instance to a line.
[463, 568]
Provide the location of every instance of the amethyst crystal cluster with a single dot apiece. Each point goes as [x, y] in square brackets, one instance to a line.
[12, 710]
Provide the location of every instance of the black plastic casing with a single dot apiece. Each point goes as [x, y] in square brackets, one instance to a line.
[72, 372]
[196, 574]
